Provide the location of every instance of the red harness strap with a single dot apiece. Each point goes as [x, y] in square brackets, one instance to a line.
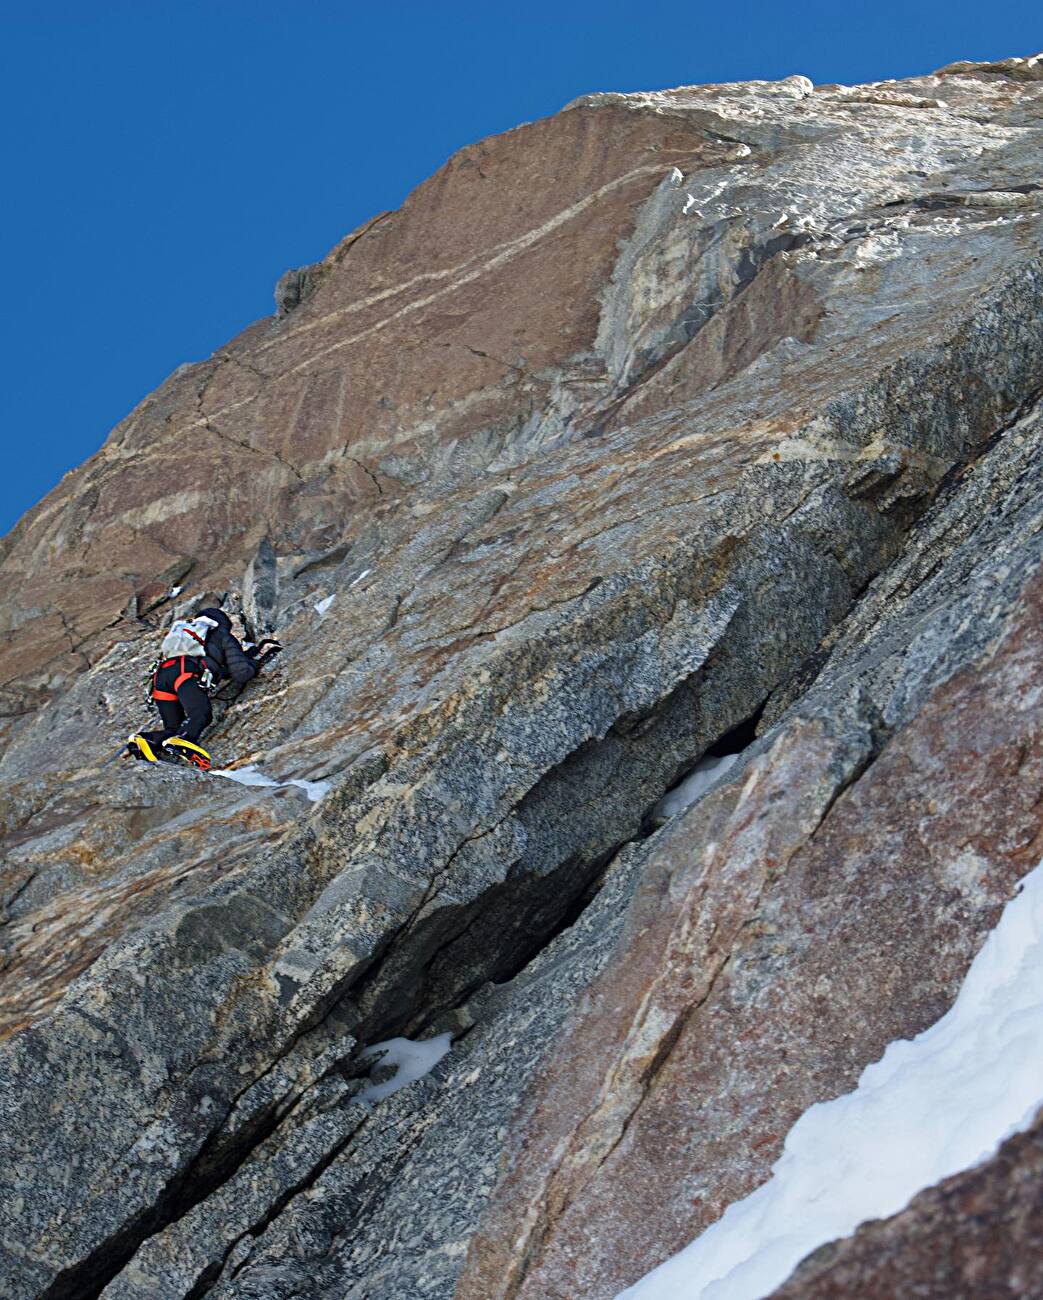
[178, 681]
[183, 677]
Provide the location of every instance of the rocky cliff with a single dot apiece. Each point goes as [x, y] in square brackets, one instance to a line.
[700, 422]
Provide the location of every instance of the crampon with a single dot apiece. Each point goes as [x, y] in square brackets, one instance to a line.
[174, 750]
[184, 751]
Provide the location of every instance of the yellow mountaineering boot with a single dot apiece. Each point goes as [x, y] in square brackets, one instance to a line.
[138, 747]
[187, 752]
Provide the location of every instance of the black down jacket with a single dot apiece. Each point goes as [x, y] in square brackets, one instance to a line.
[224, 655]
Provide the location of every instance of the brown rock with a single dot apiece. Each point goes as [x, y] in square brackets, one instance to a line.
[430, 326]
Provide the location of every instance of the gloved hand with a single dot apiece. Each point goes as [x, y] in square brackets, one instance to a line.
[267, 651]
[255, 650]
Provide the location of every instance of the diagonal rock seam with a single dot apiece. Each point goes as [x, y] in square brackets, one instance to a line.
[212, 1273]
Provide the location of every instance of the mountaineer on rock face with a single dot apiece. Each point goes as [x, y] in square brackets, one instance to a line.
[196, 656]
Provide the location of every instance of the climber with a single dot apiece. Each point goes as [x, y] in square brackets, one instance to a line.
[195, 657]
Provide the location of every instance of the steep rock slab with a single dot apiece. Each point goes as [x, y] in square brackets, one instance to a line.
[978, 1233]
[775, 949]
[388, 1207]
[676, 504]
[591, 268]
[434, 583]
[457, 703]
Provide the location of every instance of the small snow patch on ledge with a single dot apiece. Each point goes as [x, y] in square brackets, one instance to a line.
[252, 775]
[693, 787]
[324, 604]
[411, 1061]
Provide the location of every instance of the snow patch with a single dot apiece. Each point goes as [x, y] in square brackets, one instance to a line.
[676, 177]
[693, 787]
[364, 574]
[324, 604]
[174, 591]
[252, 775]
[411, 1061]
[244, 775]
[929, 1108]
[313, 789]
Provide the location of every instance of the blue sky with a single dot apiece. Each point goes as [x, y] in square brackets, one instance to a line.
[164, 161]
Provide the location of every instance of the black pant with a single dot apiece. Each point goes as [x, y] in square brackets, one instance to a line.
[188, 716]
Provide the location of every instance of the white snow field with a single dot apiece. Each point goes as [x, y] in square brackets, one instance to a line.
[252, 775]
[412, 1062]
[323, 605]
[693, 787]
[929, 1108]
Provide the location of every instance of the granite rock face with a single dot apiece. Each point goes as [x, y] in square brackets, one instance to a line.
[699, 421]
[783, 939]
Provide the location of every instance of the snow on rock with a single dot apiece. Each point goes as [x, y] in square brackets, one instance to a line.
[252, 775]
[355, 581]
[244, 775]
[323, 605]
[313, 789]
[693, 787]
[676, 177]
[929, 1108]
[411, 1060]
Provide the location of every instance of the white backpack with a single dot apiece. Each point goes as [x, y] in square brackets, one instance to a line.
[186, 637]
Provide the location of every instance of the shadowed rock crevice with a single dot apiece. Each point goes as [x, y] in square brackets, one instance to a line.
[553, 846]
[434, 965]
[216, 1162]
[558, 841]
